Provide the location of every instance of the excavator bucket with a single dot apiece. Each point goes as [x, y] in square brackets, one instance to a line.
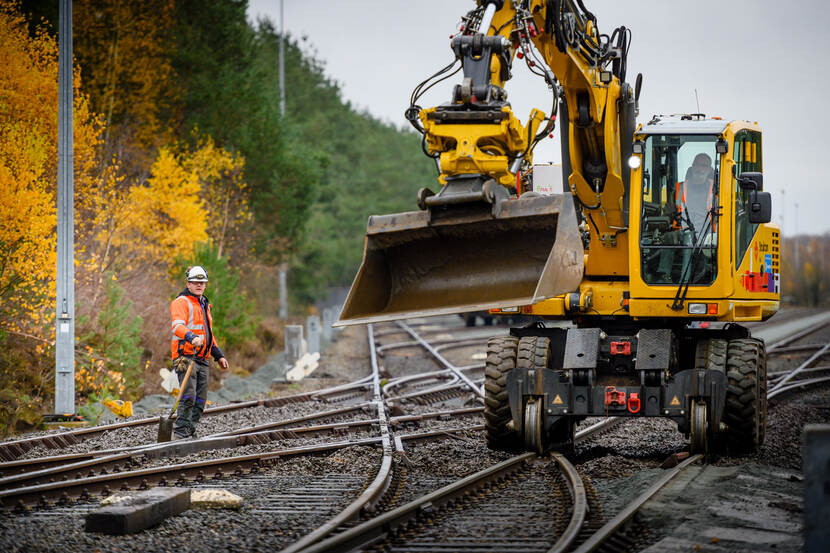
[466, 257]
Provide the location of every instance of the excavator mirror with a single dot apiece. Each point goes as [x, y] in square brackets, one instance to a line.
[638, 86]
[751, 181]
[760, 208]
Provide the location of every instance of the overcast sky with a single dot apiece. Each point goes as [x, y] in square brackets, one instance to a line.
[748, 59]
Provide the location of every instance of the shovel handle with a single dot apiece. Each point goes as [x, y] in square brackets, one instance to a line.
[181, 388]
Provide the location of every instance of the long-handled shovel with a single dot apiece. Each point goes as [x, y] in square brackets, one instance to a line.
[166, 423]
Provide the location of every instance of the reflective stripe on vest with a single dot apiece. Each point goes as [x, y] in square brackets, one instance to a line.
[181, 346]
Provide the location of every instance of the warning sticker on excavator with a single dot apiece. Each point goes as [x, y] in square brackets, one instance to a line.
[674, 401]
[557, 400]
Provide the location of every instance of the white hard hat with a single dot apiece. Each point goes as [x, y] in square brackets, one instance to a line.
[197, 273]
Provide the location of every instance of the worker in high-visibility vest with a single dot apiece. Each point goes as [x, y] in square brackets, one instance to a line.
[694, 194]
[193, 339]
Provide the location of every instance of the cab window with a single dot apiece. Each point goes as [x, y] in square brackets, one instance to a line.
[678, 233]
[747, 156]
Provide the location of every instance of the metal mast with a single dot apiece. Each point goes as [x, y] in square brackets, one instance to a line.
[283, 284]
[65, 276]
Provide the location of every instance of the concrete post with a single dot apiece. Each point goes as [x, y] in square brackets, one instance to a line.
[328, 320]
[312, 327]
[816, 488]
[293, 344]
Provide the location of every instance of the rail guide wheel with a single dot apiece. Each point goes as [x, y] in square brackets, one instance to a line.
[533, 426]
[699, 428]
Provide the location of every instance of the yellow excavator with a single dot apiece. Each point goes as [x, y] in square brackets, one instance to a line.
[659, 245]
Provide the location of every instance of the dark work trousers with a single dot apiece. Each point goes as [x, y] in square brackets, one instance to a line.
[193, 398]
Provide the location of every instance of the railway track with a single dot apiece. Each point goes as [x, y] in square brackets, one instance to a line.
[811, 371]
[383, 414]
[351, 392]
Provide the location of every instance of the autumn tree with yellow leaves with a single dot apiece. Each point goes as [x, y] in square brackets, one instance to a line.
[181, 156]
[28, 150]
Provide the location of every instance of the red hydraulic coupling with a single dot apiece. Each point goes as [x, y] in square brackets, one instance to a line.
[620, 348]
[634, 402]
[614, 397]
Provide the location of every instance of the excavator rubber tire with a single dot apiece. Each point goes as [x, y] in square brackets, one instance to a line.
[501, 359]
[534, 352]
[711, 354]
[745, 410]
[762, 384]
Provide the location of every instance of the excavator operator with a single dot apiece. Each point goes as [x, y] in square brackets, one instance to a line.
[692, 205]
[695, 193]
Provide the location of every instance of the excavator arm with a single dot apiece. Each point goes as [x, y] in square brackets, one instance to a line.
[481, 241]
[559, 41]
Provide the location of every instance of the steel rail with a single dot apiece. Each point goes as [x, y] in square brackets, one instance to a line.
[794, 337]
[11, 450]
[453, 386]
[41, 469]
[287, 422]
[371, 530]
[442, 375]
[441, 359]
[166, 474]
[616, 523]
[798, 384]
[794, 349]
[39, 463]
[580, 505]
[396, 421]
[439, 344]
[782, 381]
[778, 374]
[372, 494]
[112, 459]
[142, 477]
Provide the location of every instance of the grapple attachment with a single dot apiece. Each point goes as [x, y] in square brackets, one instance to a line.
[456, 257]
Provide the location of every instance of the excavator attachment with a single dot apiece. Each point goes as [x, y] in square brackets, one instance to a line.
[458, 255]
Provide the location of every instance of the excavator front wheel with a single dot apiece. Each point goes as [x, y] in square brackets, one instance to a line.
[534, 426]
[699, 428]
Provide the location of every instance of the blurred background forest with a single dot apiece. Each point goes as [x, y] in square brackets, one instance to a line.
[182, 157]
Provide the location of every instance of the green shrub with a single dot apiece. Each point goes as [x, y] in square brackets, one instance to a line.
[234, 318]
[113, 352]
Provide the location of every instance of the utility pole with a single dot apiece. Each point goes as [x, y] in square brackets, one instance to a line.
[283, 280]
[797, 264]
[282, 60]
[65, 275]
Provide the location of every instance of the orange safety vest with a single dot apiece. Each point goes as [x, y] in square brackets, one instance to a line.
[680, 201]
[187, 315]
